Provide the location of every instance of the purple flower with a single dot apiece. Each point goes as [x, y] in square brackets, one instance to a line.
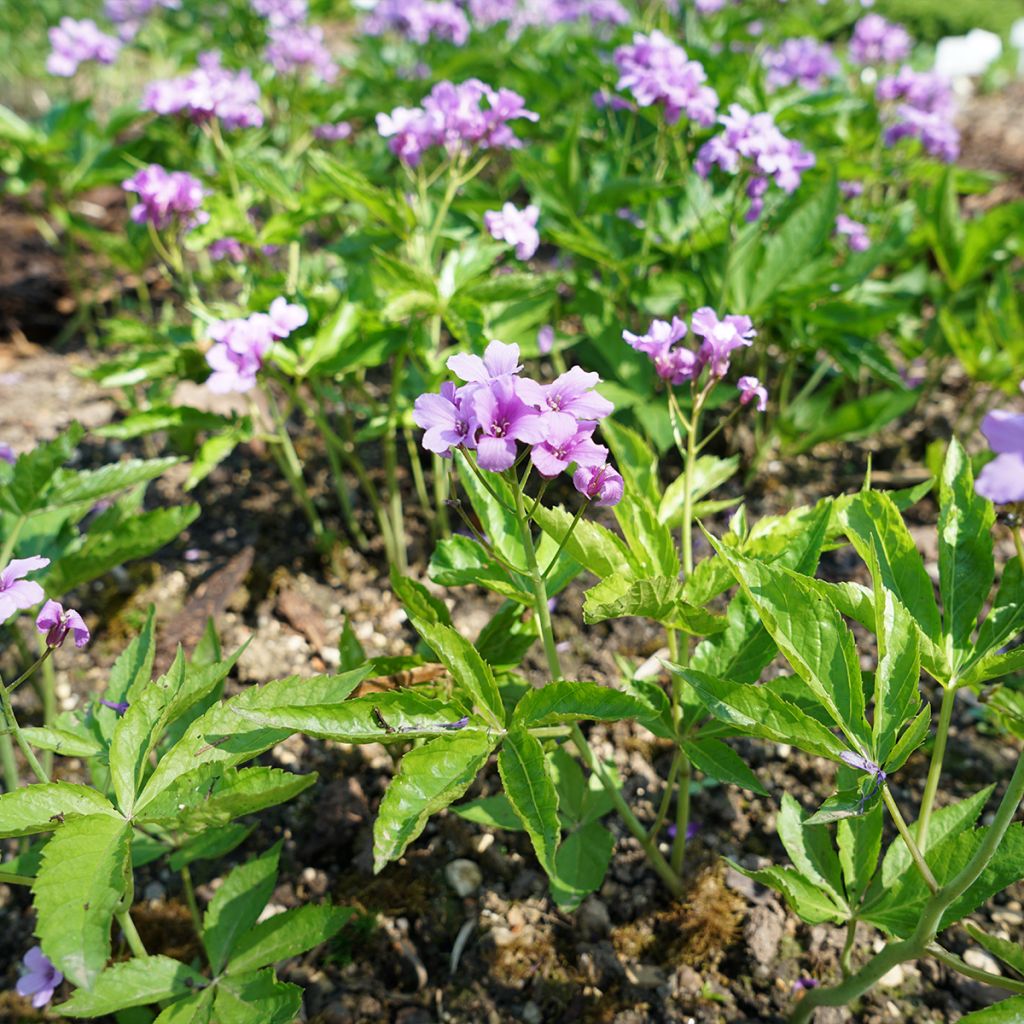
[419, 20]
[165, 197]
[128, 15]
[656, 70]
[296, 49]
[517, 227]
[286, 317]
[281, 13]
[721, 337]
[877, 41]
[572, 392]
[937, 133]
[601, 484]
[803, 60]
[851, 189]
[501, 418]
[566, 441]
[499, 360]
[856, 234]
[55, 623]
[7, 453]
[751, 388]
[692, 830]
[862, 764]
[1002, 480]
[545, 340]
[675, 365]
[709, 6]
[455, 117]
[227, 248]
[926, 111]
[333, 132]
[207, 92]
[924, 90]
[40, 979]
[118, 706]
[16, 592]
[242, 344]
[803, 984]
[75, 42]
[442, 418]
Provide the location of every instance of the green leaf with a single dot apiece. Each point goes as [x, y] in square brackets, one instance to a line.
[34, 471]
[495, 511]
[635, 459]
[1011, 953]
[530, 788]
[344, 180]
[567, 701]
[350, 650]
[463, 561]
[209, 845]
[581, 864]
[810, 901]
[860, 842]
[61, 741]
[469, 671]
[418, 601]
[719, 761]
[910, 739]
[256, 998]
[43, 806]
[1009, 1011]
[237, 904]
[82, 879]
[966, 565]
[660, 599]
[739, 652]
[1006, 619]
[287, 935]
[71, 487]
[492, 811]
[131, 672]
[597, 549]
[194, 1009]
[873, 523]
[651, 545]
[429, 778]
[810, 849]
[136, 982]
[759, 711]
[812, 636]
[709, 472]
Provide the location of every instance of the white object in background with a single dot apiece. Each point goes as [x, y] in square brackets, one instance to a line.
[1017, 42]
[969, 55]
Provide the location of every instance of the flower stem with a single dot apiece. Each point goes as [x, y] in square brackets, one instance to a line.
[1018, 540]
[935, 768]
[131, 934]
[190, 899]
[395, 510]
[19, 738]
[901, 826]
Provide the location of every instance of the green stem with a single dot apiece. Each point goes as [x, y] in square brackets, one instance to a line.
[131, 934]
[418, 479]
[1018, 541]
[395, 510]
[7, 879]
[974, 973]
[190, 899]
[19, 738]
[935, 768]
[565, 540]
[49, 688]
[10, 765]
[845, 963]
[30, 670]
[915, 853]
[666, 797]
[682, 813]
[11, 540]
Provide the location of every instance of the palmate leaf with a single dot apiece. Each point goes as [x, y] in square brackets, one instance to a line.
[530, 788]
[140, 981]
[82, 879]
[429, 778]
[237, 904]
[43, 806]
[286, 935]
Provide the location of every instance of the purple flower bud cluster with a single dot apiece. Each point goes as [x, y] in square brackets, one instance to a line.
[16, 592]
[753, 142]
[419, 21]
[166, 197]
[300, 49]
[1002, 480]
[40, 978]
[456, 117]
[855, 233]
[128, 15]
[76, 41]
[804, 61]
[227, 248]
[515, 226]
[210, 91]
[280, 13]
[720, 337]
[241, 345]
[54, 623]
[877, 41]
[333, 132]
[656, 70]
[495, 409]
[925, 110]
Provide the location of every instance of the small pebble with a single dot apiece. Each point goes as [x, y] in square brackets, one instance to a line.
[464, 876]
[982, 961]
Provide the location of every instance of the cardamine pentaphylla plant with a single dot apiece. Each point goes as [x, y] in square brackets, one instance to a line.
[938, 867]
[163, 777]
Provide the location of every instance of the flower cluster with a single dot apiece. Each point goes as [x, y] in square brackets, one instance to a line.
[16, 592]
[496, 409]
[515, 226]
[855, 233]
[128, 15]
[753, 142]
[419, 20]
[241, 345]
[458, 117]
[656, 70]
[1002, 480]
[7, 453]
[54, 623]
[210, 91]
[293, 49]
[720, 337]
[280, 13]
[40, 980]
[333, 132]
[557, 12]
[166, 197]
[804, 61]
[76, 41]
[925, 110]
[877, 41]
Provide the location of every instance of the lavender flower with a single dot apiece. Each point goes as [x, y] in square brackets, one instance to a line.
[55, 623]
[515, 226]
[419, 20]
[924, 90]
[565, 441]
[556, 12]
[673, 364]
[7, 453]
[855, 233]
[75, 42]
[502, 418]
[573, 393]
[117, 706]
[804, 984]
[721, 338]
[545, 343]
[851, 189]
[226, 248]
[445, 424]
[499, 360]
[241, 345]
[40, 979]
[877, 41]
[751, 388]
[166, 197]
[935, 129]
[454, 116]
[298, 49]
[601, 484]
[709, 6]
[207, 92]
[656, 70]
[803, 60]
[281, 13]
[16, 592]
[333, 132]
[128, 15]
[1002, 480]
